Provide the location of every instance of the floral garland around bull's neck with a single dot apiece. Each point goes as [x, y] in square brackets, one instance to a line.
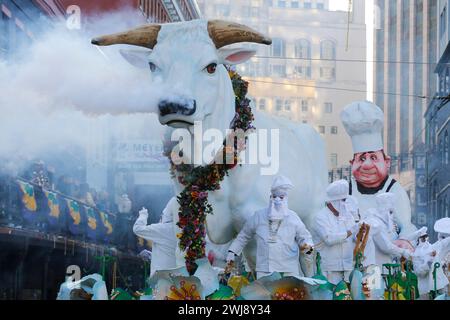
[198, 181]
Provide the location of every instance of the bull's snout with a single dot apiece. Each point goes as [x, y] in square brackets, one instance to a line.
[186, 107]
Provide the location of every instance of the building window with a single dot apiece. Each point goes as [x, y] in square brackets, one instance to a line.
[447, 81]
[446, 148]
[320, 6]
[295, 4]
[262, 104]
[327, 50]
[443, 22]
[279, 70]
[327, 73]
[222, 10]
[246, 11]
[281, 4]
[307, 5]
[303, 49]
[328, 107]
[4, 33]
[278, 104]
[287, 105]
[304, 105]
[334, 130]
[278, 47]
[333, 160]
[302, 72]
[255, 12]
[322, 129]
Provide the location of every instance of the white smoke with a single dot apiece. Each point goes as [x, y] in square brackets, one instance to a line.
[53, 95]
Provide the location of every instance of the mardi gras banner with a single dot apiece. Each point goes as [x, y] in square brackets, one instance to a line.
[54, 211]
[29, 209]
[107, 224]
[74, 222]
[92, 230]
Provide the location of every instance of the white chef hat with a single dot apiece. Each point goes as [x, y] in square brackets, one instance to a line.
[442, 226]
[281, 183]
[364, 123]
[337, 190]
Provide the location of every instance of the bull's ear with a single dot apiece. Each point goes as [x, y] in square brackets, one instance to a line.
[235, 56]
[137, 58]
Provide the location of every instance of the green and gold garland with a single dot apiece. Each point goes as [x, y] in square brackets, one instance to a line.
[198, 181]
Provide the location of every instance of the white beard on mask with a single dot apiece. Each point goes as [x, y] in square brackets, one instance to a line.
[278, 209]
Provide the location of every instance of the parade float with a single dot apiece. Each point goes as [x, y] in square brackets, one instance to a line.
[216, 198]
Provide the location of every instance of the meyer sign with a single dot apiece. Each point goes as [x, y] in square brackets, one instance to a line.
[150, 151]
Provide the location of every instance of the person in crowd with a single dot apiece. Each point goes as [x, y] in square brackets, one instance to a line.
[334, 230]
[102, 202]
[123, 223]
[62, 185]
[385, 231]
[162, 236]
[427, 255]
[85, 195]
[280, 235]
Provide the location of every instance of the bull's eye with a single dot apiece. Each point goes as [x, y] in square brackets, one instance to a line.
[211, 68]
[153, 67]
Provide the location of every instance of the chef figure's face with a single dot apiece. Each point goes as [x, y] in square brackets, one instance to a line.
[371, 168]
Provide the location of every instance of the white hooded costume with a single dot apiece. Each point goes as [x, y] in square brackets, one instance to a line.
[162, 236]
[383, 231]
[427, 254]
[331, 236]
[279, 234]
[364, 123]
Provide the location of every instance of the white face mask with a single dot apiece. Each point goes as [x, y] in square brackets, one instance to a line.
[278, 205]
[339, 205]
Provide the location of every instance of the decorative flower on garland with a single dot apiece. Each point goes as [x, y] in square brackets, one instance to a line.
[198, 181]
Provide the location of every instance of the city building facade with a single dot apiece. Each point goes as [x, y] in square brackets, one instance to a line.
[437, 119]
[404, 61]
[308, 74]
[22, 21]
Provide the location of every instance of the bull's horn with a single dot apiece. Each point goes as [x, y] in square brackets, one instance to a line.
[145, 36]
[224, 33]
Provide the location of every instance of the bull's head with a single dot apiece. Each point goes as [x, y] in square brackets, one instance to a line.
[188, 58]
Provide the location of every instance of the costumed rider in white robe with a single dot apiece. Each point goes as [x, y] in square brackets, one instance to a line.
[280, 235]
[364, 123]
[384, 231]
[427, 254]
[334, 229]
[163, 239]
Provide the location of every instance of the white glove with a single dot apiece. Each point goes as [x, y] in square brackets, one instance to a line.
[355, 229]
[143, 212]
[146, 255]
[230, 256]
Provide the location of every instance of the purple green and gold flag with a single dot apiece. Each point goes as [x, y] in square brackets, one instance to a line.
[29, 208]
[54, 212]
[74, 217]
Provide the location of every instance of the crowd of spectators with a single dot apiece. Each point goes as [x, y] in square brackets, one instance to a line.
[45, 177]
